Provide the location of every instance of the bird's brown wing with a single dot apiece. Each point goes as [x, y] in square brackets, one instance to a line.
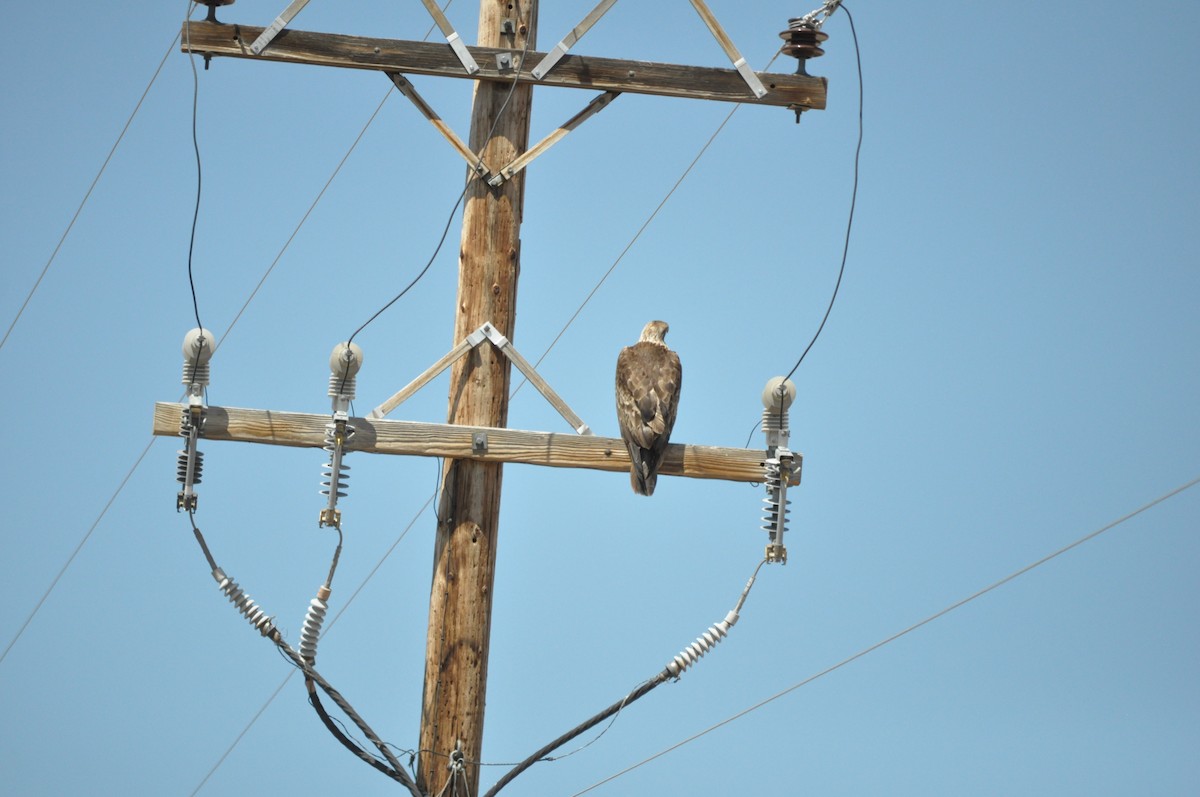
[648, 382]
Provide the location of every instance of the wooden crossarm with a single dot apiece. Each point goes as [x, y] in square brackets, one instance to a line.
[572, 71]
[382, 436]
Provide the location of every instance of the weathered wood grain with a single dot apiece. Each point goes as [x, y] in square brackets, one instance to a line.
[573, 71]
[411, 438]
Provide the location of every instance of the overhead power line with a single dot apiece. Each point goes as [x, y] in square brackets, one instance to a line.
[645, 224]
[935, 616]
[216, 346]
[87, 195]
[37, 607]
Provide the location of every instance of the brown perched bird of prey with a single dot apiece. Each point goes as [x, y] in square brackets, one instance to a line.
[648, 381]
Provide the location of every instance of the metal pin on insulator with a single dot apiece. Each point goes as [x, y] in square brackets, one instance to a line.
[213, 5]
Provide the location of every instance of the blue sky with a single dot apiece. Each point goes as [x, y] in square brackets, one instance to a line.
[1011, 364]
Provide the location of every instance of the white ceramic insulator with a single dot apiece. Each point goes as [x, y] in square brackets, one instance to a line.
[704, 643]
[197, 351]
[310, 632]
[778, 394]
[344, 363]
[247, 607]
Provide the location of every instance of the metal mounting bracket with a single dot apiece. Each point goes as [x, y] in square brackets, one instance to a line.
[486, 332]
[739, 63]
[452, 37]
[574, 35]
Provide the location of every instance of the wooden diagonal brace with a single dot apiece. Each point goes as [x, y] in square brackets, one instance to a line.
[408, 90]
[574, 35]
[524, 159]
[739, 63]
[505, 346]
[491, 334]
[425, 378]
[271, 31]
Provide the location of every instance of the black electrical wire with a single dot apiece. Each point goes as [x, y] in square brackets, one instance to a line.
[199, 183]
[850, 218]
[541, 754]
[312, 675]
[675, 670]
[333, 621]
[453, 211]
[407, 288]
[396, 770]
[853, 197]
[915, 626]
[196, 149]
[314, 700]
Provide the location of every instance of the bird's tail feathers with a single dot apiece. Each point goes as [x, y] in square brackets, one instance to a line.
[641, 476]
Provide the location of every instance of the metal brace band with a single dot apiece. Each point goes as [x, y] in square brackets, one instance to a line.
[739, 63]
[456, 44]
[568, 41]
[478, 336]
[750, 77]
[279, 24]
[452, 37]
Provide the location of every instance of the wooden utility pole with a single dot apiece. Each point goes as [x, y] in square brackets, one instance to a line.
[460, 599]
[505, 66]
